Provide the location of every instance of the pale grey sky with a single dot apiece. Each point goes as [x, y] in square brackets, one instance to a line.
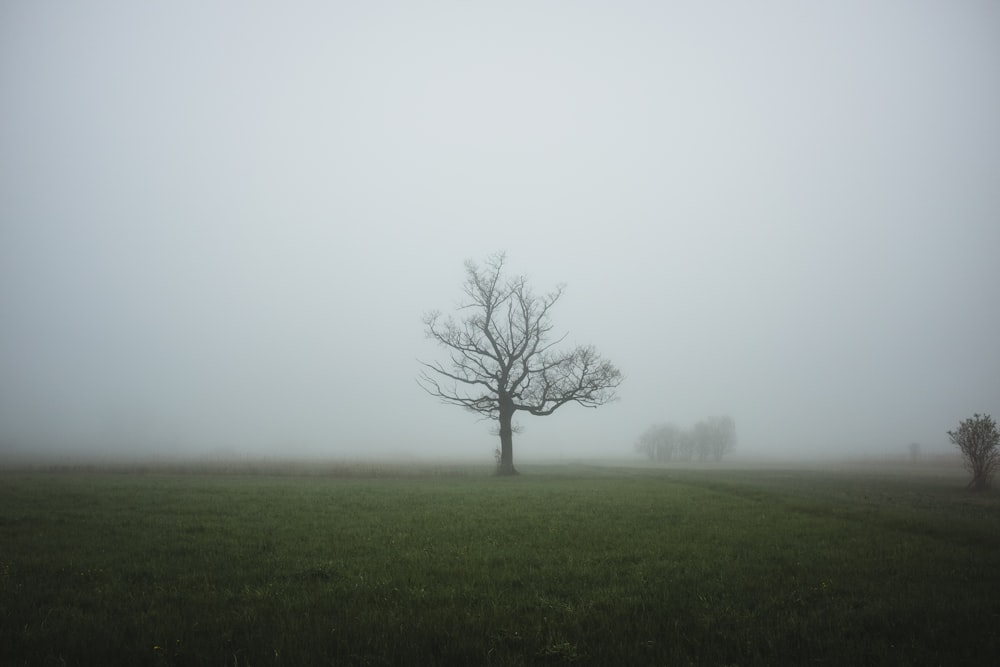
[221, 223]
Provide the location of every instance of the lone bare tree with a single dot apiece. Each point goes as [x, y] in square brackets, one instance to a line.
[980, 444]
[502, 358]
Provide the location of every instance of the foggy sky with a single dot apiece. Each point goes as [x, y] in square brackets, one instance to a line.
[221, 223]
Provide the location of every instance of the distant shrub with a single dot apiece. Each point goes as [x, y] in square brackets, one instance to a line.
[979, 442]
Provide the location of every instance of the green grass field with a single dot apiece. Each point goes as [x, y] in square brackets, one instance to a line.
[456, 567]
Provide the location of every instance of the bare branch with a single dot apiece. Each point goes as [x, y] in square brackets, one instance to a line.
[580, 377]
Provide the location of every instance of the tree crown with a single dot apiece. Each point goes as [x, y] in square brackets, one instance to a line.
[502, 355]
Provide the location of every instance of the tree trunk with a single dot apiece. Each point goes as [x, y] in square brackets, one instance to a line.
[980, 480]
[506, 464]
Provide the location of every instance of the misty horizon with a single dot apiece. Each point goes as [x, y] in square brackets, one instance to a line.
[221, 226]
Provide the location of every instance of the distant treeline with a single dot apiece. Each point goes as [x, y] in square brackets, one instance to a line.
[712, 437]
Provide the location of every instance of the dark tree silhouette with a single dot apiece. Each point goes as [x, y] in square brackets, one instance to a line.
[502, 358]
[980, 444]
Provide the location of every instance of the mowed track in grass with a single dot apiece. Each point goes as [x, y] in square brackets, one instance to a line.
[585, 565]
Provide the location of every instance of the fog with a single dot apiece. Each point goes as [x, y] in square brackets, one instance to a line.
[221, 223]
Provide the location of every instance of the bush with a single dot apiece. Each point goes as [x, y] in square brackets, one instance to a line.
[980, 444]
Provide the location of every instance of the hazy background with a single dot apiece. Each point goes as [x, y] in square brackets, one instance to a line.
[221, 223]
